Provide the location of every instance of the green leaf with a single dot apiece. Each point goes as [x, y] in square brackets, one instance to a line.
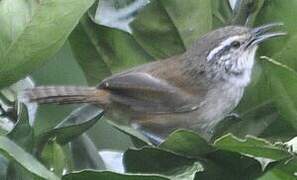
[186, 143]
[85, 154]
[12, 151]
[87, 53]
[277, 176]
[106, 136]
[79, 121]
[17, 172]
[3, 167]
[229, 165]
[53, 157]
[252, 146]
[22, 133]
[218, 164]
[156, 161]
[135, 135]
[256, 9]
[96, 175]
[255, 121]
[32, 31]
[155, 32]
[283, 82]
[119, 49]
[283, 170]
[222, 12]
[167, 27]
[186, 17]
[281, 49]
[92, 10]
[116, 48]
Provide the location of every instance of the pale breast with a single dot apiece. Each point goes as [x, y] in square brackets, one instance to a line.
[219, 102]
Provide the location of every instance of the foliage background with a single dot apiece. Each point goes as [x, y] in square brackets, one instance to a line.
[73, 42]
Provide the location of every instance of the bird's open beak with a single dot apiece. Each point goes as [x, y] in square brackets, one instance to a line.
[262, 33]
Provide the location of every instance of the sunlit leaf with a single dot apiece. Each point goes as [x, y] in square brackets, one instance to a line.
[53, 157]
[252, 146]
[32, 31]
[186, 143]
[95, 175]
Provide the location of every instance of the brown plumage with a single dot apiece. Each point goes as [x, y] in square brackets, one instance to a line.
[64, 95]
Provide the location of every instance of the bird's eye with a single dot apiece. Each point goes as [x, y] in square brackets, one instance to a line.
[235, 44]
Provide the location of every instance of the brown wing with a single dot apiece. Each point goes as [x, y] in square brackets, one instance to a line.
[144, 93]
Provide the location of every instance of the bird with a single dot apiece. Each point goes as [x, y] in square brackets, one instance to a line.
[194, 90]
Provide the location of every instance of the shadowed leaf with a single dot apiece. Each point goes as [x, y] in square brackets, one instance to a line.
[84, 48]
[157, 161]
[12, 151]
[186, 143]
[79, 121]
[85, 154]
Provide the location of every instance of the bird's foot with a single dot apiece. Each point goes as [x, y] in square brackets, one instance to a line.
[233, 116]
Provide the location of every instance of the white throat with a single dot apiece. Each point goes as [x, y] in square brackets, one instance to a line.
[244, 64]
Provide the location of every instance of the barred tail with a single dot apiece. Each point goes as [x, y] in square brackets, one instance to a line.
[64, 95]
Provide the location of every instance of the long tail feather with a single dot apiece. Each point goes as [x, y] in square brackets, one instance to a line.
[64, 95]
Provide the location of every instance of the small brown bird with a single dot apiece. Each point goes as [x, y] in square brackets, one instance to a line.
[194, 90]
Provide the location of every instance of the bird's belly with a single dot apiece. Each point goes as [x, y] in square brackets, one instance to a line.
[218, 104]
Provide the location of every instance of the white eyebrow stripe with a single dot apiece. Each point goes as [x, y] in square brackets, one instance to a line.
[226, 42]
